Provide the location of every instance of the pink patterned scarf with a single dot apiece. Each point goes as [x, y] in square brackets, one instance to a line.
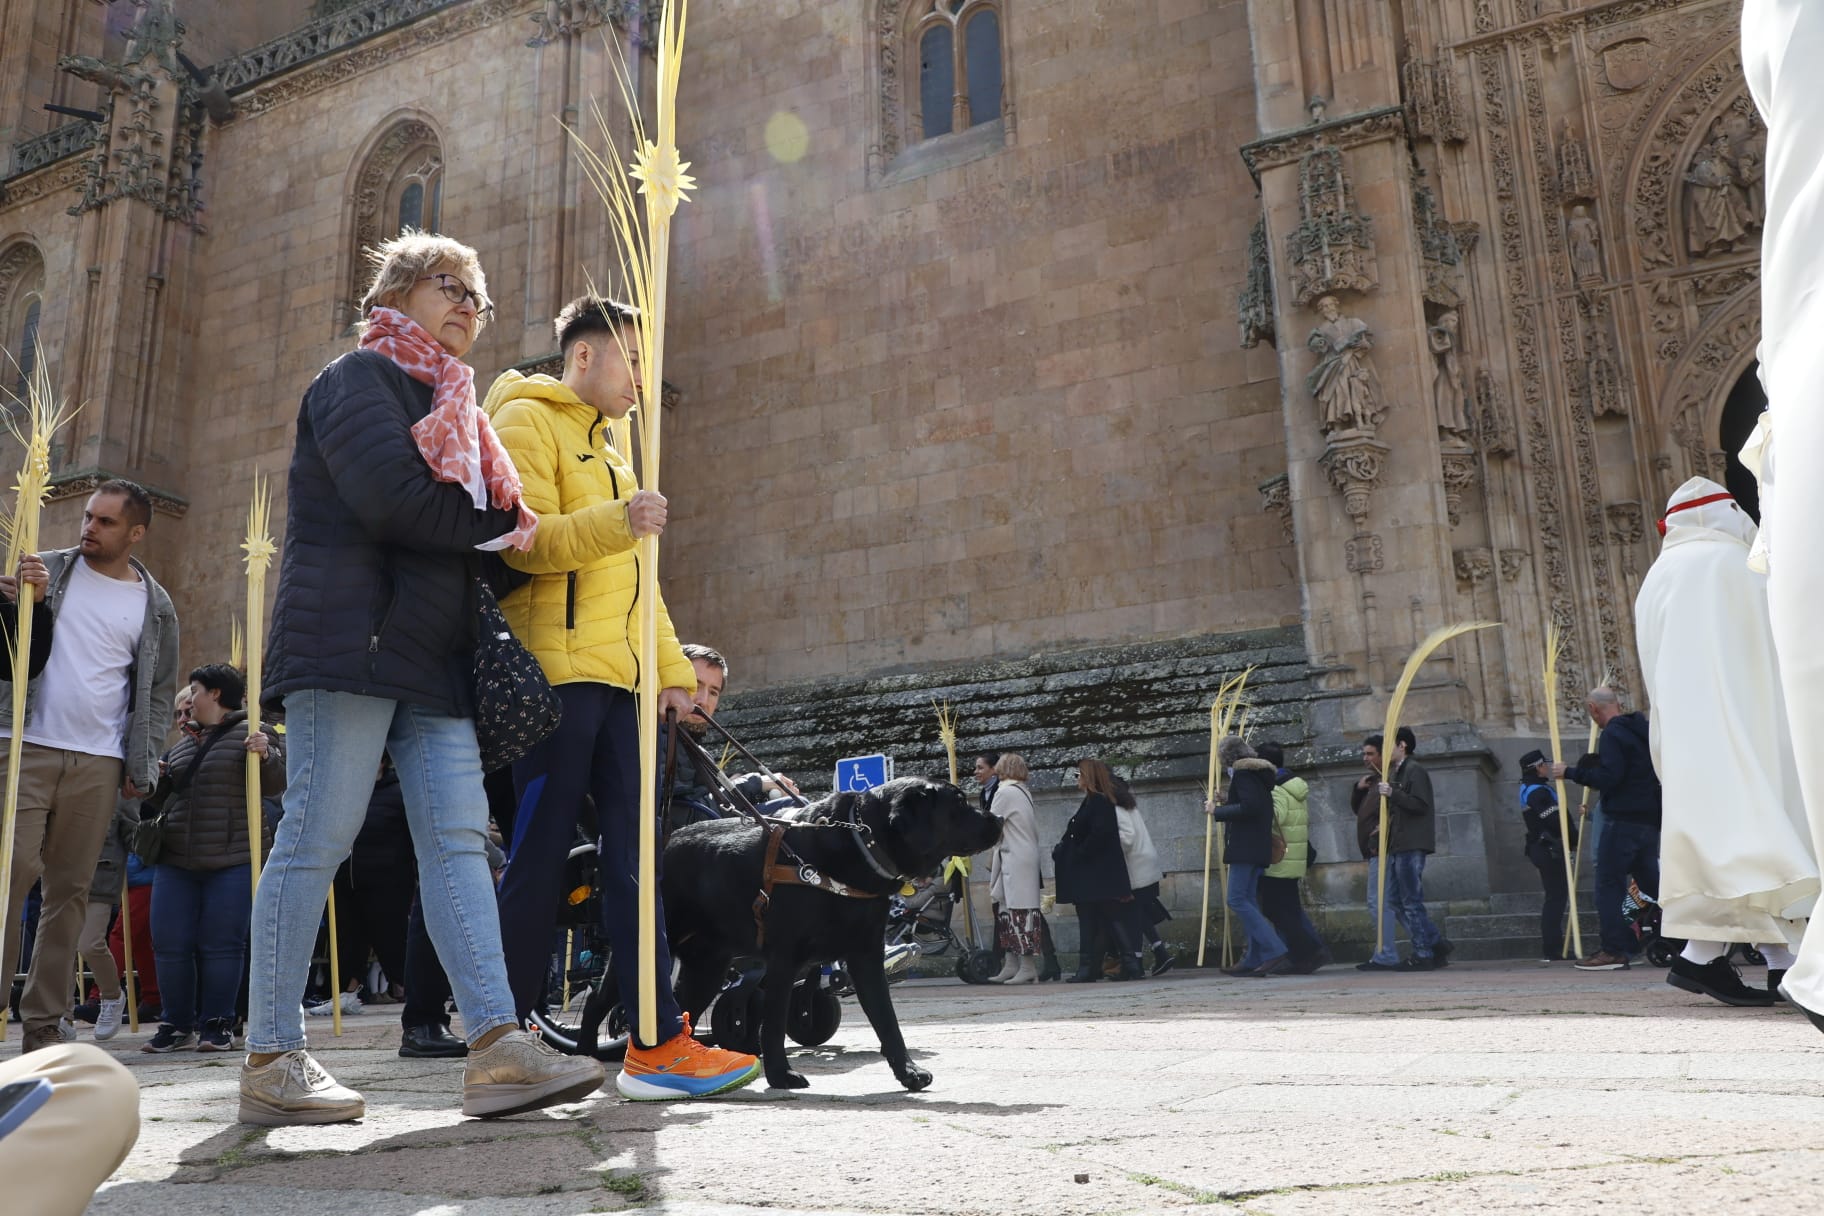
[456, 438]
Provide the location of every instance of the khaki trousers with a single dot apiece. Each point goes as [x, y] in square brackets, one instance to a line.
[53, 1162]
[66, 804]
[93, 945]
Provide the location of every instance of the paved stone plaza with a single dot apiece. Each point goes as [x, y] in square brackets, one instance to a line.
[1483, 1088]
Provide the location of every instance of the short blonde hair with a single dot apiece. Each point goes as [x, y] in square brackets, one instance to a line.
[410, 256]
[1011, 767]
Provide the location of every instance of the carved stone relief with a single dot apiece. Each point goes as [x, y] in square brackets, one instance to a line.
[1473, 567]
[1276, 499]
[1431, 98]
[1494, 420]
[1343, 381]
[1255, 305]
[1724, 188]
[1459, 477]
[1362, 553]
[1576, 180]
[1440, 249]
[1354, 467]
[1332, 249]
[1627, 528]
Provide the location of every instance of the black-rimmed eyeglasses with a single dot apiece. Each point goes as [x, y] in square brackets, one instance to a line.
[456, 291]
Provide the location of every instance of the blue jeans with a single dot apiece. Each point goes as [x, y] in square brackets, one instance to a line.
[1406, 892]
[332, 760]
[199, 935]
[1264, 944]
[1624, 848]
[1381, 914]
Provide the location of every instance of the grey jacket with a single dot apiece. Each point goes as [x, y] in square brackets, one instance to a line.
[151, 680]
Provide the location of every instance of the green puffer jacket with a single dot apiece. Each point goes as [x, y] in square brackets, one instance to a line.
[1293, 816]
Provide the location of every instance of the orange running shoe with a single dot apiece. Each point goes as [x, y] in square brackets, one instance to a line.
[683, 1068]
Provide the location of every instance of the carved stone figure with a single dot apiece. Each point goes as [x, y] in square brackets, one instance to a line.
[1716, 206]
[1575, 177]
[1344, 381]
[1449, 398]
[1585, 240]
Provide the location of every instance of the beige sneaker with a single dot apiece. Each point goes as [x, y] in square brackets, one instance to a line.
[294, 1089]
[520, 1072]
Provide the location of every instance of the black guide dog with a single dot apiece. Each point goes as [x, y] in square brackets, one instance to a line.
[870, 843]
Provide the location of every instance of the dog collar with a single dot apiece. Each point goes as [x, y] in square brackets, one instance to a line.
[877, 858]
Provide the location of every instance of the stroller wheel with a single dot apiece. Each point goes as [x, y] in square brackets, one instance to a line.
[975, 966]
[1660, 952]
[734, 1020]
[588, 1031]
[815, 1015]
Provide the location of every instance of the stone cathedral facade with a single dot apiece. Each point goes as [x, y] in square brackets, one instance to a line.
[1054, 359]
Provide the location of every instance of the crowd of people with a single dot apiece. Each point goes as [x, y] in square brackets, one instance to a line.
[411, 506]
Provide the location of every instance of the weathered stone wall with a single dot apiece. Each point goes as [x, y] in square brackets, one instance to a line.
[980, 410]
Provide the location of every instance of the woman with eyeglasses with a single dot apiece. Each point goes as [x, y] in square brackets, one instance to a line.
[397, 485]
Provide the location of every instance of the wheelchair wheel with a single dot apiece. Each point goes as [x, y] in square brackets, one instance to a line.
[815, 1015]
[975, 966]
[734, 1020]
[566, 1030]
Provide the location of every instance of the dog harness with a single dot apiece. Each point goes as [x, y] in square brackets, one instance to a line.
[774, 873]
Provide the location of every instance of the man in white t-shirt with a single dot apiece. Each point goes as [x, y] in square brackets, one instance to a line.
[95, 718]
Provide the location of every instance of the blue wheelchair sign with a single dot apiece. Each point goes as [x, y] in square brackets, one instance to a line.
[863, 772]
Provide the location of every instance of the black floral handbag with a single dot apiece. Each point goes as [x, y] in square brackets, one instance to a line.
[516, 708]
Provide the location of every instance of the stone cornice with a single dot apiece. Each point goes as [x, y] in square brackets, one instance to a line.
[1349, 131]
[81, 482]
[326, 63]
[66, 174]
[1557, 28]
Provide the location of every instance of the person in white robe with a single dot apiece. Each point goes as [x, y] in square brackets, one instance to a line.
[1736, 860]
[1782, 46]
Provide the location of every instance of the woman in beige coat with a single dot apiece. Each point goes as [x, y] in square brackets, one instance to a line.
[1014, 881]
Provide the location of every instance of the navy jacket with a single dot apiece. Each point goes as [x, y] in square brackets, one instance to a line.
[1248, 814]
[376, 586]
[1623, 772]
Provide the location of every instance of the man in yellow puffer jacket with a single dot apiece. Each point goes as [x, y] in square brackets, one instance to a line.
[577, 614]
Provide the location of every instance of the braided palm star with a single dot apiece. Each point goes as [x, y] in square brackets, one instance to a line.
[661, 176]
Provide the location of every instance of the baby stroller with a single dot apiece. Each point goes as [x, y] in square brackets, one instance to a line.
[918, 926]
[1644, 915]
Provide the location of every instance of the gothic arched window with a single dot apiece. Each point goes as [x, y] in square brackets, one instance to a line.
[959, 64]
[398, 184]
[21, 309]
[943, 75]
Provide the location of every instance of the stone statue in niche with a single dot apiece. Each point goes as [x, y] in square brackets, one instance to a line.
[1344, 381]
[1447, 393]
[1717, 215]
[1585, 241]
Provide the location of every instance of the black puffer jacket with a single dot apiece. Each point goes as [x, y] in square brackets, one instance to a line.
[1088, 861]
[206, 819]
[1623, 771]
[376, 587]
[1248, 814]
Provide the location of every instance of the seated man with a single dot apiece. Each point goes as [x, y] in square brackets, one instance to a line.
[695, 796]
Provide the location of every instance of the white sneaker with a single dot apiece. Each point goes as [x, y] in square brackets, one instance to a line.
[107, 1018]
[351, 1005]
[66, 1029]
